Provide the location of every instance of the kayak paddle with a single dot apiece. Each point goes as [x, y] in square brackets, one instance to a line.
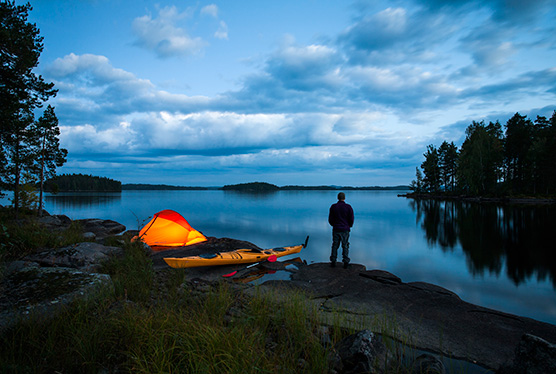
[269, 259]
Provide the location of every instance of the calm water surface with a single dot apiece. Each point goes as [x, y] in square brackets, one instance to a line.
[497, 257]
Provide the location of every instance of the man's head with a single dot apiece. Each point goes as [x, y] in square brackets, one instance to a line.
[341, 196]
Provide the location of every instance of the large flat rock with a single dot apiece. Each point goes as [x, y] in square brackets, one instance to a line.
[423, 315]
[32, 290]
[85, 256]
[420, 314]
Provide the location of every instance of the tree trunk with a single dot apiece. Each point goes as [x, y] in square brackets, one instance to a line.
[42, 176]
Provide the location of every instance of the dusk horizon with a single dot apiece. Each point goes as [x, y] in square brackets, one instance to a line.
[214, 93]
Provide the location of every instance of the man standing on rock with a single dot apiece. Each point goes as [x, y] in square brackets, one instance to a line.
[341, 219]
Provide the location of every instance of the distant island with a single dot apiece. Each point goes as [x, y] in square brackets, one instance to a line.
[267, 187]
[151, 187]
[258, 187]
[81, 183]
[89, 183]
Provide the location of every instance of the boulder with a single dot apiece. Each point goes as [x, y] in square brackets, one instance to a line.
[101, 228]
[55, 222]
[428, 364]
[93, 228]
[533, 355]
[89, 236]
[86, 256]
[362, 352]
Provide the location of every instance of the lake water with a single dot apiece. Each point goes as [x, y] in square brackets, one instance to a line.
[498, 257]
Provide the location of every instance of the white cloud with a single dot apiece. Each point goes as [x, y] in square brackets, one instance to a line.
[231, 132]
[391, 21]
[222, 32]
[211, 10]
[89, 139]
[164, 36]
[99, 66]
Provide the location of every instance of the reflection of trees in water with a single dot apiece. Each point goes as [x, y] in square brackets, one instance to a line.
[84, 200]
[490, 234]
[252, 194]
[438, 222]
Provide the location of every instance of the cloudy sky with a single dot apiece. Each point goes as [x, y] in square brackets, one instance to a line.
[312, 92]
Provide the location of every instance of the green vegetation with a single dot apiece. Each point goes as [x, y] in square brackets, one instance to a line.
[490, 162]
[80, 182]
[21, 237]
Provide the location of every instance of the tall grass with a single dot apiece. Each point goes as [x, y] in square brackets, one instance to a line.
[132, 273]
[132, 337]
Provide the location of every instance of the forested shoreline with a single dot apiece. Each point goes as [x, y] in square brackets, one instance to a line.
[518, 159]
[157, 187]
[268, 187]
[89, 183]
[81, 182]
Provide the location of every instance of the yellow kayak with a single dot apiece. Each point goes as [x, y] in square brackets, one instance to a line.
[238, 256]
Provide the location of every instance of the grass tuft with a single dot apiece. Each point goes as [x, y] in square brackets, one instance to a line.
[132, 273]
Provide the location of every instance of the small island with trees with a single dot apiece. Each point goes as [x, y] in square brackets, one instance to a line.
[517, 162]
[80, 182]
[267, 187]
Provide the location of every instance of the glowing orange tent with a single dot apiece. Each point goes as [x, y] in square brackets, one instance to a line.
[169, 228]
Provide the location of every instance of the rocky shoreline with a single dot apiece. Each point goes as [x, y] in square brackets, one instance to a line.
[435, 319]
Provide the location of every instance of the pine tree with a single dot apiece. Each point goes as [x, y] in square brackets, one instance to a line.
[480, 159]
[517, 151]
[431, 169]
[448, 158]
[417, 184]
[21, 92]
[48, 154]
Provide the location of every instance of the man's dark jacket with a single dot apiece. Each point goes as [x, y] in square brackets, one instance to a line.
[341, 216]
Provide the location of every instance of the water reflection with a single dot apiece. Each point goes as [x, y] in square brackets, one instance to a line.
[78, 200]
[491, 236]
[251, 194]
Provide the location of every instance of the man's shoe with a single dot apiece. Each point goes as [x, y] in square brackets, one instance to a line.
[333, 264]
[346, 265]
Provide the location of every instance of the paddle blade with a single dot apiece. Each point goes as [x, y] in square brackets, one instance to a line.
[269, 259]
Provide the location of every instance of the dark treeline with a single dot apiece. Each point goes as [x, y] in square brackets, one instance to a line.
[344, 188]
[251, 187]
[519, 159]
[267, 187]
[155, 187]
[81, 182]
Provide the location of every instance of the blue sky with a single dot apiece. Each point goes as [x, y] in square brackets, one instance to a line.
[207, 93]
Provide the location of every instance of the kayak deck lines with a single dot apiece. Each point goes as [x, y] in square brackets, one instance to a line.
[238, 256]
